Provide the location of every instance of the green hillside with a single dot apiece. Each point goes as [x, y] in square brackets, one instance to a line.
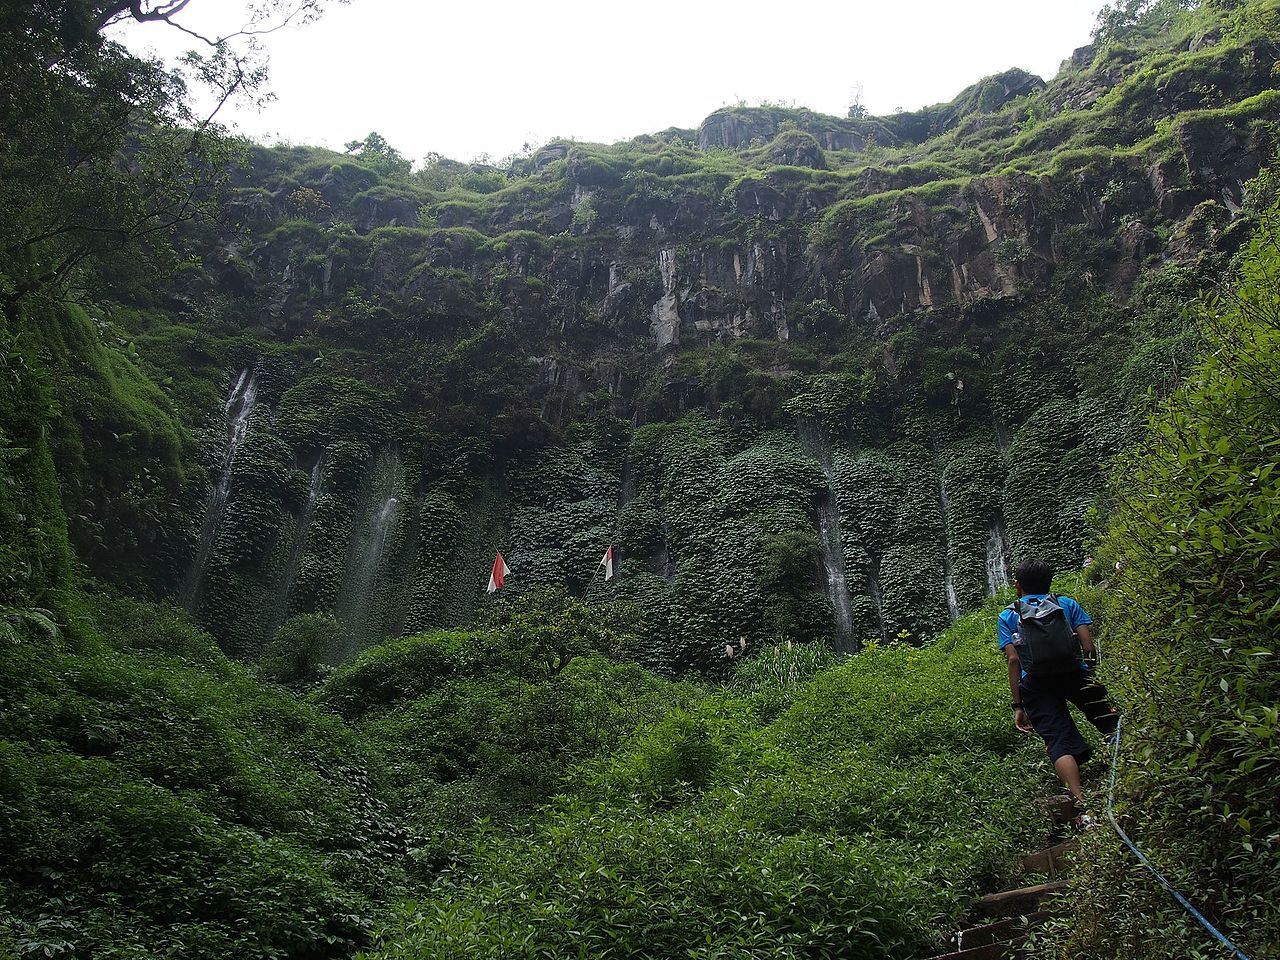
[267, 414]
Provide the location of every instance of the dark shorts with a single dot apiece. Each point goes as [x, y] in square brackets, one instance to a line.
[1045, 700]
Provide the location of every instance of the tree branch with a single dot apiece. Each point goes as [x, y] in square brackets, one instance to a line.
[133, 9]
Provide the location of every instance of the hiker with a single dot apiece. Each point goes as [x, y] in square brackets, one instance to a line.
[1049, 645]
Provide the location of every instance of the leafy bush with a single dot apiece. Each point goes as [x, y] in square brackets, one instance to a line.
[301, 650]
[855, 824]
[158, 801]
[489, 723]
[1195, 613]
[674, 759]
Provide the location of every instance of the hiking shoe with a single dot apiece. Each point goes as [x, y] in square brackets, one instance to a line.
[1086, 821]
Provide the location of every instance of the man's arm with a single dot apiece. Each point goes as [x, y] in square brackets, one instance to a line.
[1086, 640]
[1082, 624]
[1015, 686]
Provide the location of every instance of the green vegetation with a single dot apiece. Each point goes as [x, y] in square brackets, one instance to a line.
[158, 801]
[1192, 615]
[463, 735]
[874, 798]
[477, 728]
[818, 381]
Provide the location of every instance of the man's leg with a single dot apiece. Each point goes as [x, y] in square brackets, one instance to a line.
[1068, 771]
[1047, 709]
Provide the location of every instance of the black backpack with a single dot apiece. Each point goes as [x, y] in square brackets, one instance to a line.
[1047, 646]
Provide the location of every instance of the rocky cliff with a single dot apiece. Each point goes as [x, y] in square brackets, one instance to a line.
[817, 377]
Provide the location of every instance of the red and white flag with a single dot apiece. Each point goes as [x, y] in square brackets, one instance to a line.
[500, 573]
[607, 562]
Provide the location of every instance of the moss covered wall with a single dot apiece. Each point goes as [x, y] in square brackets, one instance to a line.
[716, 527]
[637, 343]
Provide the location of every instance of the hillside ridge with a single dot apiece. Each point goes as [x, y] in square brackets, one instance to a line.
[680, 314]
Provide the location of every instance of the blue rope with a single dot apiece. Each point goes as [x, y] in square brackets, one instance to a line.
[1115, 755]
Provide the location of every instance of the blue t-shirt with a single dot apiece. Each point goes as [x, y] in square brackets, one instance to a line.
[1007, 624]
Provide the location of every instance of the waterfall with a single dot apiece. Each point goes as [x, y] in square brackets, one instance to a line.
[627, 486]
[237, 411]
[944, 511]
[948, 572]
[664, 561]
[359, 607]
[1003, 441]
[280, 611]
[953, 602]
[829, 537]
[833, 565]
[997, 558]
[354, 612]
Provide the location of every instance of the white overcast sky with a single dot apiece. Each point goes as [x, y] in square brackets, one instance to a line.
[465, 79]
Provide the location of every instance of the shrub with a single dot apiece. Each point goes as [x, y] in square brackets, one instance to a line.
[774, 676]
[1195, 611]
[489, 723]
[158, 801]
[852, 825]
[675, 758]
[301, 650]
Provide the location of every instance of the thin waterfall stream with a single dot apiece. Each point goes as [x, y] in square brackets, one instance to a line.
[627, 485]
[664, 561]
[1003, 440]
[280, 612]
[997, 558]
[359, 589]
[237, 410]
[355, 608]
[830, 541]
[877, 600]
[944, 511]
[948, 571]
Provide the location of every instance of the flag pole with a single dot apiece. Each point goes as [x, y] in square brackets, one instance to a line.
[607, 564]
[590, 581]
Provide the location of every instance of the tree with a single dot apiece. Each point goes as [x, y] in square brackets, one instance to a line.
[82, 19]
[1135, 19]
[857, 109]
[301, 650]
[101, 150]
[374, 152]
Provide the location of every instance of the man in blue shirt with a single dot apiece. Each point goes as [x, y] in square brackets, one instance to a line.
[1040, 701]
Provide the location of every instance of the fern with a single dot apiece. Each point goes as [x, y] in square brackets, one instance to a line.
[14, 619]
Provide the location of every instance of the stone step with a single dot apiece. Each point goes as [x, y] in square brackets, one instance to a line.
[1051, 861]
[1019, 902]
[1008, 930]
[991, 951]
[1061, 810]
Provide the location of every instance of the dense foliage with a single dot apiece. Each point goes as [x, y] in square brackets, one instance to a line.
[158, 801]
[234, 818]
[818, 379]
[810, 810]
[479, 727]
[1194, 613]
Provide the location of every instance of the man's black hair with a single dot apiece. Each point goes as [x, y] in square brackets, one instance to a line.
[1034, 576]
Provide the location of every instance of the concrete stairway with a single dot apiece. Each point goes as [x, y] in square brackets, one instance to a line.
[1002, 920]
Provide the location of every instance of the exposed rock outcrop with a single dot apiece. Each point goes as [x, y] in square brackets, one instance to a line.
[737, 128]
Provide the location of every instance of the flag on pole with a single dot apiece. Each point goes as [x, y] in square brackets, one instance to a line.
[500, 573]
[607, 562]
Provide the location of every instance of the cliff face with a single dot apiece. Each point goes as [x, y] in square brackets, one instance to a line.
[651, 235]
[868, 362]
